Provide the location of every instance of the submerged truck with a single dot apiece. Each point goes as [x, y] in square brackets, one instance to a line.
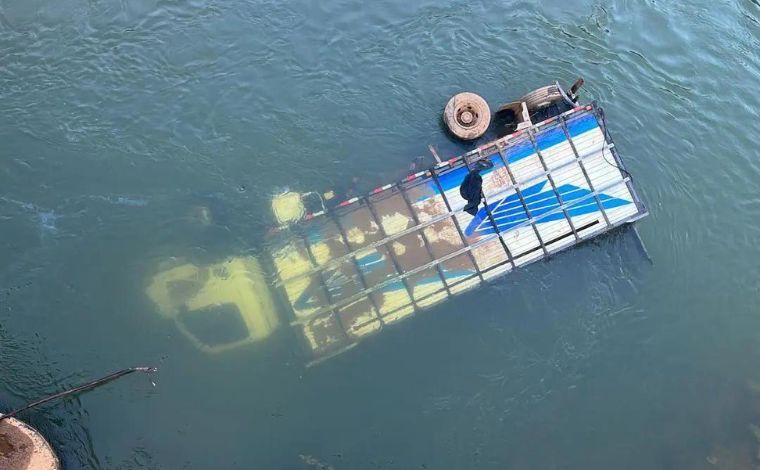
[338, 275]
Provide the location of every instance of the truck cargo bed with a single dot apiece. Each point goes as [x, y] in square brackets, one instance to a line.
[349, 272]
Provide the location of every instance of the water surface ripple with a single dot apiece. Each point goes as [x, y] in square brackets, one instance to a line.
[119, 120]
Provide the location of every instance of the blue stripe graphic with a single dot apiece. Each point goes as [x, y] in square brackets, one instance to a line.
[509, 212]
[545, 139]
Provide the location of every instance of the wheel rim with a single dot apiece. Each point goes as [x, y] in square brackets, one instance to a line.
[467, 116]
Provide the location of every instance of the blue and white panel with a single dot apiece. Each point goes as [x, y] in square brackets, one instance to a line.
[555, 147]
[489, 253]
[586, 133]
[568, 177]
[602, 169]
[579, 201]
[540, 197]
[570, 180]
[508, 214]
[426, 200]
[516, 231]
[450, 182]
[422, 267]
[522, 159]
[618, 203]
[442, 239]
[536, 189]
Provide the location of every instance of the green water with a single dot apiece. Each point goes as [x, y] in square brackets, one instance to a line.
[119, 120]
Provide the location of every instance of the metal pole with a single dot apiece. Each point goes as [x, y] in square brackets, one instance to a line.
[518, 191]
[549, 177]
[81, 388]
[642, 247]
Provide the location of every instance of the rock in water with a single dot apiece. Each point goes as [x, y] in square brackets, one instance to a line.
[23, 448]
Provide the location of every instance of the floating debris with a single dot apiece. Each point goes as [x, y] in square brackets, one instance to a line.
[755, 430]
[120, 200]
[314, 462]
[202, 215]
[733, 457]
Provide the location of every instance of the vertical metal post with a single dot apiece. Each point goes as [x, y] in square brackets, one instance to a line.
[358, 268]
[519, 193]
[492, 220]
[642, 247]
[599, 113]
[435, 154]
[392, 255]
[583, 169]
[551, 181]
[456, 223]
[425, 240]
[326, 290]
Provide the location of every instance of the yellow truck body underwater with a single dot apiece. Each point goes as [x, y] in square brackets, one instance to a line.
[342, 274]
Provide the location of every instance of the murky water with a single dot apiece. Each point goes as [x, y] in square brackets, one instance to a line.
[121, 121]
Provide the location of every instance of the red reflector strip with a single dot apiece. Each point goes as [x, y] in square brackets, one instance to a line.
[348, 201]
[416, 175]
[567, 113]
[547, 121]
[382, 188]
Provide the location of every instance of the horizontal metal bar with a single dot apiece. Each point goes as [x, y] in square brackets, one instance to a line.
[391, 254]
[358, 269]
[505, 161]
[566, 130]
[455, 221]
[331, 354]
[336, 261]
[328, 296]
[492, 220]
[454, 254]
[550, 178]
[514, 135]
[599, 113]
[425, 240]
[343, 349]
